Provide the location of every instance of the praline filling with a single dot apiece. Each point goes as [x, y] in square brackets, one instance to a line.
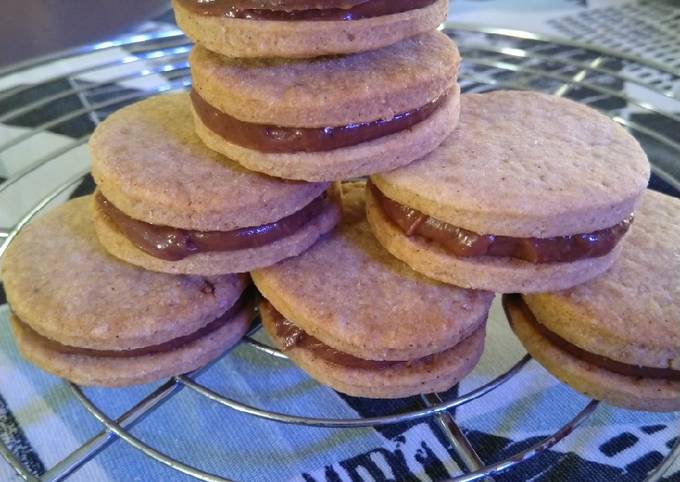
[174, 244]
[246, 297]
[464, 243]
[636, 371]
[291, 336]
[282, 140]
[302, 10]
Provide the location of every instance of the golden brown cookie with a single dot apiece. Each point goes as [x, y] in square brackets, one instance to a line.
[617, 337]
[329, 118]
[354, 297]
[290, 29]
[168, 203]
[523, 197]
[80, 313]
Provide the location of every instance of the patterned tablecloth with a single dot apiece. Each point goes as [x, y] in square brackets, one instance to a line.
[41, 421]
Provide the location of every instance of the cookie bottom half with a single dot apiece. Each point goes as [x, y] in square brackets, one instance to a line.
[247, 38]
[382, 154]
[501, 275]
[105, 371]
[394, 380]
[216, 263]
[596, 382]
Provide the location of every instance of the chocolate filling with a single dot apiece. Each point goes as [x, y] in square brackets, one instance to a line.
[293, 337]
[302, 10]
[464, 243]
[174, 244]
[171, 345]
[280, 140]
[600, 361]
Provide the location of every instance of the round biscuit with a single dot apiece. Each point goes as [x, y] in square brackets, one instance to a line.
[526, 164]
[148, 161]
[62, 283]
[630, 313]
[351, 294]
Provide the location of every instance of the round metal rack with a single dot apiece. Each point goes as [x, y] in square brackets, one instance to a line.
[618, 84]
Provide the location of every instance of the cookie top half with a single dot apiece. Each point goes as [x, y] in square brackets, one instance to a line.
[630, 313]
[526, 164]
[328, 91]
[66, 287]
[352, 295]
[147, 160]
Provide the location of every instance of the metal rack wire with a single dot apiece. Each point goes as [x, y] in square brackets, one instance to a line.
[493, 59]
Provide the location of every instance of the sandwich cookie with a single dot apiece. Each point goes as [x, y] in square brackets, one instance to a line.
[617, 337]
[304, 28]
[532, 193]
[361, 321]
[331, 118]
[81, 314]
[167, 203]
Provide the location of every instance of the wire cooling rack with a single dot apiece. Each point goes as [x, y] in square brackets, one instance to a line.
[639, 93]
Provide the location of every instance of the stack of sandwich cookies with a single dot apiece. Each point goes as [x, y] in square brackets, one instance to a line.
[81, 314]
[329, 118]
[532, 193]
[617, 337]
[184, 193]
[304, 28]
[361, 321]
[167, 203]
